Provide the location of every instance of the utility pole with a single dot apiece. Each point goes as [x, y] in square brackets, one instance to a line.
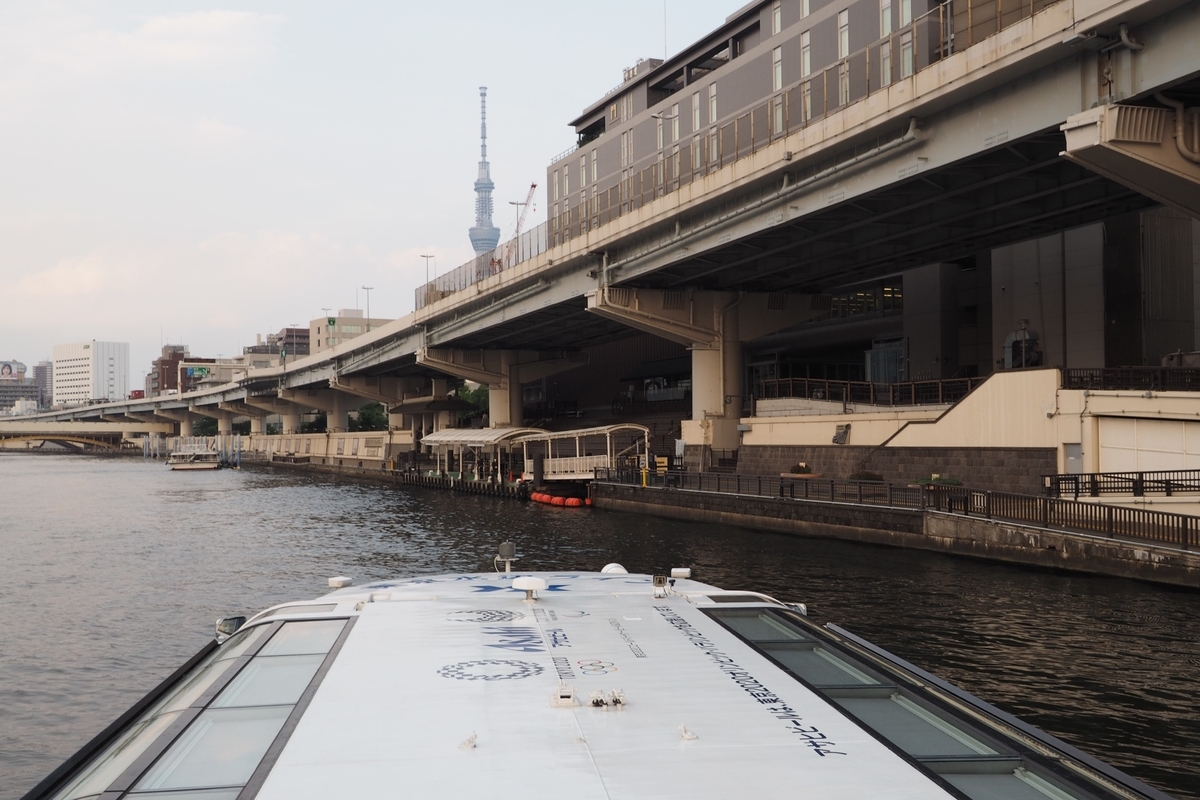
[368, 289]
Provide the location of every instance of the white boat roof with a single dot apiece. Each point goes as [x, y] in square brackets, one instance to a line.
[598, 686]
[440, 660]
[476, 436]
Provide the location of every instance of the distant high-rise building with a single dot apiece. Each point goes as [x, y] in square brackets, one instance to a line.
[484, 236]
[292, 342]
[43, 376]
[349, 323]
[14, 386]
[92, 370]
[163, 377]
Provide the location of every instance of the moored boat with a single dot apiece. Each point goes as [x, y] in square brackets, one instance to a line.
[593, 684]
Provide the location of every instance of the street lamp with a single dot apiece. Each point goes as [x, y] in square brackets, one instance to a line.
[427, 276]
[368, 291]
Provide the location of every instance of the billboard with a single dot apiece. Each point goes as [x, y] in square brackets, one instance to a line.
[11, 370]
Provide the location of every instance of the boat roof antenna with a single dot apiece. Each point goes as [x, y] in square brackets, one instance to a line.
[508, 554]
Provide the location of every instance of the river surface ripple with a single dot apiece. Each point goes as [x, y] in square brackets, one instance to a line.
[114, 570]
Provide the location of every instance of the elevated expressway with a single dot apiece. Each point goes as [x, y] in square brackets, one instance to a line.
[963, 155]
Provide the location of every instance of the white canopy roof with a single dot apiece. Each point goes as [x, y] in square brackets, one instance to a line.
[476, 437]
[603, 430]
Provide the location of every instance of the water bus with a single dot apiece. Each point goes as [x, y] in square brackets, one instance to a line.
[586, 685]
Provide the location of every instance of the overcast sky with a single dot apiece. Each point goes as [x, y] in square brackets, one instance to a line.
[199, 173]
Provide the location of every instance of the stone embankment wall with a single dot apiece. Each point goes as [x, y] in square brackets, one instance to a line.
[1002, 469]
[925, 530]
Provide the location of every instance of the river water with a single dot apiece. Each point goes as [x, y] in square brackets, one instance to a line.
[114, 570]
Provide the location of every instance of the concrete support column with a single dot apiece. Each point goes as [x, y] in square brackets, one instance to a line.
[257, 426]
[184, 418]
[225, 424]
[717, 390]
[290, 421]
[505, 405]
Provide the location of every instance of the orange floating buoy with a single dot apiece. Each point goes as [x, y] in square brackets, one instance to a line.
[558, 501]
[574, 502]
[587, 502]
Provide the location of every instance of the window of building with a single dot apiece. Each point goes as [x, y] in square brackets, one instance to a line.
[843, 33]
[906, 54]
[697, 152]
[614, 115]
[804, 8]
[629, 106]
[843, 83]
[905, 12]
[555, 184]
[695, 111]
[658, 127]
[776, 18]
[583, 170]
[713, 152]
[624, 148]
[777, 69]
[777, 114]
[594, 168]
[712, 103]
[566, 180]
[805, 55]
[885, 62]
[675, 164]
[675, 123]
[885, 17]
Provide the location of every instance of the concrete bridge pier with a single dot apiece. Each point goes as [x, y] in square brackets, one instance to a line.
[259, 408]
[184, 418]
[224, 418]
[336, 404]
[503, 372]
[713, 325]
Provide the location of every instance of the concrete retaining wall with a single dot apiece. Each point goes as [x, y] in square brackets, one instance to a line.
[925, 530]
[1002, 469]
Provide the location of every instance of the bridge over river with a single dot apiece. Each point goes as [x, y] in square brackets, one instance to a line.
[966, 153]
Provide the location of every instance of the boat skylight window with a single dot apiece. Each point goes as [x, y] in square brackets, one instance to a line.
[202, 794]
[101, 772]
[221, 748]
[760, 626]
[270, 681]
[303, 608]
[206, 735]
[741, 597]
[952, 747]
[298, 638]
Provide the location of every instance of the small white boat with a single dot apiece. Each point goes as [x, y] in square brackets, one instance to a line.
[197, 459]
[564, 684]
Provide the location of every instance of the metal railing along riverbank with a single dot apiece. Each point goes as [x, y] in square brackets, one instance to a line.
[1072, 516]
[1137, 484]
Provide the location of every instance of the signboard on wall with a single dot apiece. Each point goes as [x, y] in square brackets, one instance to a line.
[11, 370]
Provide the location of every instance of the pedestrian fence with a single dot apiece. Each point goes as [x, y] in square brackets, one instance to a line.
[1180, 530]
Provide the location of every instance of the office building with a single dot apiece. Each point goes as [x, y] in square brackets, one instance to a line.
[349, 323]
[90, 371]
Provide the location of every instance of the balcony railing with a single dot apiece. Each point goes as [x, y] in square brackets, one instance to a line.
[926, 40]
[910, 393]
[1162, 379]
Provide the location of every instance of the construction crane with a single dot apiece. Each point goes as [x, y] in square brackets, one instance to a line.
[512, 243]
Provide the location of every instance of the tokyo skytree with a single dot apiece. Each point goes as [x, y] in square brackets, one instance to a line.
[484, 236]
